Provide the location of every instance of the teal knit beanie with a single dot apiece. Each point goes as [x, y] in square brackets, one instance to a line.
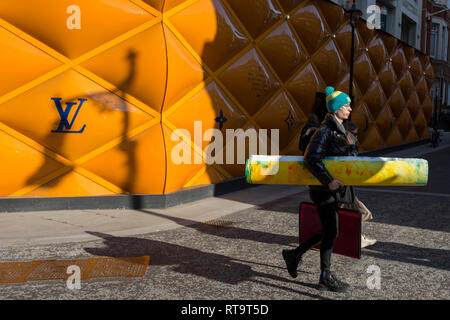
[335, 99]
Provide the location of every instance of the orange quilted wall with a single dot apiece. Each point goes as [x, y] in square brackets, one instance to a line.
[92, 92]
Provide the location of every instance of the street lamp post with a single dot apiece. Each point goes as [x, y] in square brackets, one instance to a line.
[354, 15]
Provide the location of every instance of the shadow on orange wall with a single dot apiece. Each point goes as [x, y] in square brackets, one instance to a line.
[241, 90]
[105, 102]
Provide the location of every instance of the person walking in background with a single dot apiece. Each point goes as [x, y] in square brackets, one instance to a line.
[357, 205]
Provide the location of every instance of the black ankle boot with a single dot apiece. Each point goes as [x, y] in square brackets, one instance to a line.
[328, 281]
[292, 260]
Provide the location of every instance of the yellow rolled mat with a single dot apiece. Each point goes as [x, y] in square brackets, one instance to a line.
[352, 171]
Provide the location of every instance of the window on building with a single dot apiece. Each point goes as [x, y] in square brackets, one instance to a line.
[448, 93]
[408, 32]
[383, 19]
[444, 96]
[434, 39]
[425, 39]
[445, 42]
[432, 93]
[387, 15]
[435, 94]
[445, 93]
[437, 91]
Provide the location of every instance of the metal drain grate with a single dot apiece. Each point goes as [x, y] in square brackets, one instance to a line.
[104, 267]
[216, 223]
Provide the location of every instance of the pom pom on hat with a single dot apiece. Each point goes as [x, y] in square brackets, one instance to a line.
[335, 99]
[329, 90]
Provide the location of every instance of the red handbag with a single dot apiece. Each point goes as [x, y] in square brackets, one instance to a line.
[348, 242]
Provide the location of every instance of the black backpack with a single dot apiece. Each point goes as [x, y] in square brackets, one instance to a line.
[305, 136]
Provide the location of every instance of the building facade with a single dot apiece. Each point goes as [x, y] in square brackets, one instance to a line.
[423, 24]
[435, 43]
[71, 125]
[400, 18]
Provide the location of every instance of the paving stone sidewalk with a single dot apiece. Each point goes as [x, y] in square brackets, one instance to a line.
[237, 253]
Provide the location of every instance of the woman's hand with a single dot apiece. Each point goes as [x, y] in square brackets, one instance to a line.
[335, 184]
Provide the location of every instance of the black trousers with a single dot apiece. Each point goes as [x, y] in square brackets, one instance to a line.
[327, 205]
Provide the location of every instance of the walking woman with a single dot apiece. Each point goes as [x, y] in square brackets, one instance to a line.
[329, 140]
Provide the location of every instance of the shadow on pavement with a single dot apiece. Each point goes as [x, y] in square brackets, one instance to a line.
[288, 204]
[190, 261]
[230, 232]
[419, 211]
[428, 257]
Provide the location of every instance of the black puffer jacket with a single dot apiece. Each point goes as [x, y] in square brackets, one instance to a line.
[329, 140]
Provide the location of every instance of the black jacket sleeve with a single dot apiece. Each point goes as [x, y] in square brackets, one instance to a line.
[314, 154]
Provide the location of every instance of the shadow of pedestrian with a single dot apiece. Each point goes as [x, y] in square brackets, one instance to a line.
[190, 261]
[230, 232]
[57, 142]
[428, 257]
[108, 102]
[68, 109]
[289, 204]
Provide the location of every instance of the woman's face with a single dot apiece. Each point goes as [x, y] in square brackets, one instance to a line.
[344, 112]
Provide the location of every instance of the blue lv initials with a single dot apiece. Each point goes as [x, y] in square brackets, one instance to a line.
[64, 125]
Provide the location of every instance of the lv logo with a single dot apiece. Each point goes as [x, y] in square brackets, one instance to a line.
[64, 125]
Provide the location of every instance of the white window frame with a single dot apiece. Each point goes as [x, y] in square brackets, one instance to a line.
[436, 40]
[448, 92]
[445, 56]
[442, 43]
